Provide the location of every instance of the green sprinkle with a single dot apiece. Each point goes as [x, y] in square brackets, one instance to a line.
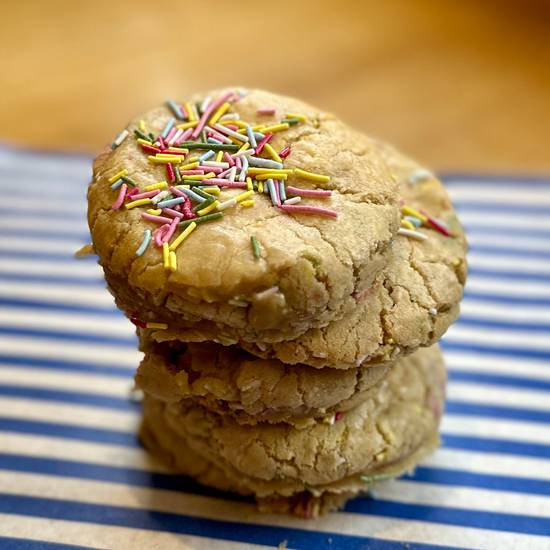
[129, 181]
[141, 135]
[152, 137]
[203, 194]
[255, 246]
[177, 172]
[377, 477]
[254, 185]
[204, 204]
[208, 146]
[202, 219]
[290, 121]
[203, 136]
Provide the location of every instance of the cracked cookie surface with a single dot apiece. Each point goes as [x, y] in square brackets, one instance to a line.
[315, 264]
[389, 432]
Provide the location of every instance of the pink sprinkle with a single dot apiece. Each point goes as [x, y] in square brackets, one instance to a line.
[150, 149]
[185, 136]
[224, 173]
[266, 111]
[176, 152]
[285, 152]
[225, 183]
[161, 141]
[208, 169]
[156, 219]
[239, 163]
[262, 143]
[277, 193]
[308, 192]
[170, 172]
[212, 106]
[172, 212]
[191, 172]
[176, 137]
[233, 127]
[158, 234]
[120, 199]
[170, 231]
[178, 192]
[301, 209]
[170, 134]
[436, 225]
[218, 136]
[146, 195]
[228, 158]
[132, 192]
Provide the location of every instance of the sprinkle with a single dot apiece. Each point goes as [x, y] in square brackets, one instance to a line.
[283, 153]
[265, 163]
[242, 196]
[232, 133]
[420, 175]
[407, 224]
[293, 200]
[274, 175]
[144, 243]
[142, 126]
[168, 128]
[120, 138]
[156, 219]
[237, 303]
[282, 192]
[187, 126]
[272, 153]
[206, 156]
[226, 204]
[212, 105]
[302, 209]
[158, 326]
[260, 187]
[182, 236]
[211, 146]
[266, 293]
[301, 118]
[222, 109]
[412, 234]
[204, 105]
[255, 247]
[172, 212]
[140, 134]
[190, 166]
[244, 171]
[209, 208]
[164, 159]
[233, 117]
[216, 163]
[139, 202]
[277, 128]
[437, 225]
[170, 202]
[191, 194]
[117, 184]
[409, 211]
[144, 142]
[154, 212]
[225, 183]
[251, 137]
[266, 111]
[129, 181]
[175, 108]
[377, 477]
[311, 175]
[154, 186]
[414, 220]
[132, 192]
[308, 192]
[262, 143]
[255, 170]
[118, 175]
[120, 199]
[211, 190]
[172, 261]
[247, 204]
[203, 219]
[165, 255]
[249, 185]
[290, 121]
[272, 192]
[161, 196]
[147, 195]
[432, 311]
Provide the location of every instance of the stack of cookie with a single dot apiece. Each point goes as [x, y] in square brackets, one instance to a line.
[287, 276]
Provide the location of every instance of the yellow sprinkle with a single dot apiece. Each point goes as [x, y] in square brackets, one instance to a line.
[208, 209]
[212, 190]
[154, 212]
[139, 202]
[242, 196]
[301, 118]
[260, 187]
[159, 326]
[249, 185]
[190, 112]
[175, 150]
[409, 211]
[155, 186]
[219, 156]
[311, 175]
[172, 260]
[118, 175]
[165, 256]
[276, 128]
[255, 170]
[272, 153]
[168, 159]
[142, 126]
[220, 111]
[189, 166]
[236, 122]
[186, 125]
[144, 142]
[200, 176]
[273, 175]
[243, 147]
[407, 224]
[182, 236]
[192, 159]
[248, 204]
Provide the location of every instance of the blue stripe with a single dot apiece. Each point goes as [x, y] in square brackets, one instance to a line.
[462, 478]
[515, 382]
[68, 431]
[48, 234]
[500, 232]
[522, 353]
[23, 303]
[507, 299]
[457, 178]
[11, 543]
[153, 520]
[75, 398]
[65, 365]
[496, 411]
[71, 212]
[501, 446]
[504, 325]
[93, 279]
[33, 256]
[510, 251]
[515, 523]
[129, 341]
[510, 275]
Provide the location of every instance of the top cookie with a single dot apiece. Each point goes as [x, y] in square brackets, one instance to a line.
[312, 262]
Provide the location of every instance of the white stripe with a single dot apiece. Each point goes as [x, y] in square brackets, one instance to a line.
[68, 246]
[494, 364]
[69, 413]
[71, 351]
[47, 205]
[521, 289]
[533, 221]
[491, 194]
[70, 268]
[58, 225]
[503, 337]
[108, 536]
[58, 380]
[493, 428]
[510, 241]
[505, 312]
[507, 263]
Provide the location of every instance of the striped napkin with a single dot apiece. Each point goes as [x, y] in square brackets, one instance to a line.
[72, 473]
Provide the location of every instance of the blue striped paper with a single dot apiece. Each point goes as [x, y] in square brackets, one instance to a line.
[73, 475]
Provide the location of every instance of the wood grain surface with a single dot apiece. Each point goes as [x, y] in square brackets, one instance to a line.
[458, 84]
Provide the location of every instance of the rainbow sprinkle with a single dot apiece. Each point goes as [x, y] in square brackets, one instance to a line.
[412, 220]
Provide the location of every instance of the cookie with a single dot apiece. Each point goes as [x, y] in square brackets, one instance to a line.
[409, 305]
[310, 267]
[387, 434]
[230, 381]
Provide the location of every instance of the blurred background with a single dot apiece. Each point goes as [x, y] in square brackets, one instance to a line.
[461, 85]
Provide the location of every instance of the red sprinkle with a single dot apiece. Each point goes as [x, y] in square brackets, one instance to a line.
[338, 416]
[150, 149]
[187, 209]
[262, 143]
[436, 225]
[170, 172]
[132, 192]
[138, 323]
[285, 152]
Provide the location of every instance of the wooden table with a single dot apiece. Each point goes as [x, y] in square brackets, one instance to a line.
[458, 84]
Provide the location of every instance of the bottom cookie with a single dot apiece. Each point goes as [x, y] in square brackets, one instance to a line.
[312, 470]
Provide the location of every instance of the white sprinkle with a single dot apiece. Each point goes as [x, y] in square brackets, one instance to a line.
[226, 204]
[266, 293]
[231, 116]
[412, 234]
[232, 173]
[433, 311]
[246, 152]
[160, 196]
[204, 104]
[293, 200]
[419, 175]
[120, 138]
[229, 132]
[214, 163]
